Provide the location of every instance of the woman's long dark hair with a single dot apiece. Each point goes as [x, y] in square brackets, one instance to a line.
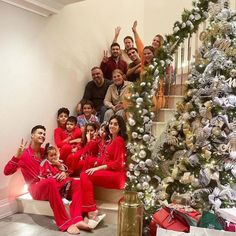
[122, 126]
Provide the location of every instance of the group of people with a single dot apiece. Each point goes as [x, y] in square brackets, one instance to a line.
[83, 148]
[99, 157]
[111, 81]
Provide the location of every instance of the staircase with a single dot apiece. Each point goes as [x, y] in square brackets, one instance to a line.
[165, 114]
[107, 199]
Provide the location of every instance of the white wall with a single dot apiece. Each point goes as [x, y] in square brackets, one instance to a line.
[159, 16]
[45, 64]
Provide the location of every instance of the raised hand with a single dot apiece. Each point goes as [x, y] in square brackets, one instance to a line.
[88, 137]
[117, 31]
[21, 149]
[105, 56]
[134, 27]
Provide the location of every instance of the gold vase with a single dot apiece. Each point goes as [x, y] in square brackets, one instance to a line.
[130, 215]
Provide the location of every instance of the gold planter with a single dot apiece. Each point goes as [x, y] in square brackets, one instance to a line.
[130, 215]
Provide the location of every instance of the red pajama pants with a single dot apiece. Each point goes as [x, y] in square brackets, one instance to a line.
[48, 190]
[65, 151]
[102, 178]
[74, 163]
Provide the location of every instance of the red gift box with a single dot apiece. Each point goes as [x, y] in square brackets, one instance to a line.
[168, 219]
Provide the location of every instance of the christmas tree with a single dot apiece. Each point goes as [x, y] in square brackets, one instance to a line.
[196, 160]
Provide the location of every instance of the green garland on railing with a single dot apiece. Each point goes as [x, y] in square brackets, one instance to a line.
[141, 168]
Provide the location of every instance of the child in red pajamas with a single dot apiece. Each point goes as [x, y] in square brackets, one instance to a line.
[51, 167]
[72, 138]
[62, 116]
[75, 161]
[110, 171]
[103, 141]
[28, 160]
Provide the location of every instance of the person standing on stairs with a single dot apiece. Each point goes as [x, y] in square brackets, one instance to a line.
[110, 169]
[28, 161]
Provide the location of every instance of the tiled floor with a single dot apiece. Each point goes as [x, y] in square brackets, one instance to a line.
[38, 225]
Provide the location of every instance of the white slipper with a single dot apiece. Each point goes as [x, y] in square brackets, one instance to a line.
[94, 223]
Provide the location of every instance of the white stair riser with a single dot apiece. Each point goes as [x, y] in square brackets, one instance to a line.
[165, 115]
[158, 128]
[108, 195]
[177, 89]
[43, 208]
[171, 101]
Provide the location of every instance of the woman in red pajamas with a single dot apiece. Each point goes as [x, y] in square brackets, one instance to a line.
[110, 170]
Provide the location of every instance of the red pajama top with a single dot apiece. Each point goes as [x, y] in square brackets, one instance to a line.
[28, 163]
[115, 155]
[61, 134]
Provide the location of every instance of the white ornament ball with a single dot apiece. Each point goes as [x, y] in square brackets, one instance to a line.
[176, 29]
[137, 173]
[134, 135]
[139, 100]
[145, 185]
[141, 164]
[146, 137]
[131, 167]
[197, 17]
[142, 84]
[141, 130]
[140, 195]
[131, 122]
[232, 155]
[193, 114]
[142, 154]
[149, 162]
[139, 186]
[140, 136]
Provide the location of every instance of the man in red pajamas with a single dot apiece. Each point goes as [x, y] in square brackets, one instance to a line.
[28, 160]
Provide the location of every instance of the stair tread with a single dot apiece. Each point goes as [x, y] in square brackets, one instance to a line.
[175, 96]
[27, 197]
[159, 122]
[107, 205]
[167, 109]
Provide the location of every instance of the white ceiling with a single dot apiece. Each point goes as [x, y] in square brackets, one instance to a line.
[41, 7]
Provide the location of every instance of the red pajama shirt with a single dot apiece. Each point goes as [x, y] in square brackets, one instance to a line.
[113, 177]
[65, 147]
[76, 161]
[92, 160]
[48, 170]
[47, 189]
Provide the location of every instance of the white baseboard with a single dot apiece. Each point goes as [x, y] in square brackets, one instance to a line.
[7, 208]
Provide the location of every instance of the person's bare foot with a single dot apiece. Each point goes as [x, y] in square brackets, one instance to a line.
[73, 229]
[92, 215]
[86, 219]
[83, 226]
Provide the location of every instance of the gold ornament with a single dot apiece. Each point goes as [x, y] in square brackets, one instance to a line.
[216, 131]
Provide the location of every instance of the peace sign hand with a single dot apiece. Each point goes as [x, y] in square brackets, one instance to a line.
[21, 148]
[105, 56]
